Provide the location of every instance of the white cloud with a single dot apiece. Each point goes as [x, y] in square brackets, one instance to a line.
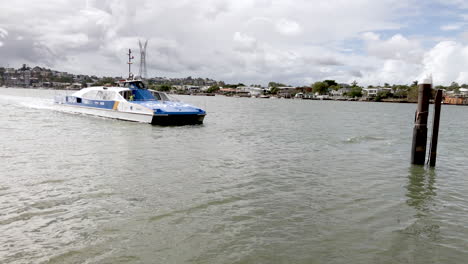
[245, 42]
[447, 62]
[397, 47]
[391, 71]
[451, 27]
[288, 27]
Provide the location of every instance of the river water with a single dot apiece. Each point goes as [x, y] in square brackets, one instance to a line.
[262, 181]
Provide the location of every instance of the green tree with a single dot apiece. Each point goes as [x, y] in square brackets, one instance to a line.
[274, 90]
[382, 95]
[320, 88]
[164, 88]
[454, 87]
[401, 91]
[275, 84]
[331, 83]
[354, 84]
[413, 93]
[103, 81]
[355, 92]
[213, 89]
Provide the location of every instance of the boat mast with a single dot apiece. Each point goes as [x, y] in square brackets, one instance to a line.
[130, 58]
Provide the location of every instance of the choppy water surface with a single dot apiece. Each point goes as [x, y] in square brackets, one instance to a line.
[262, 181]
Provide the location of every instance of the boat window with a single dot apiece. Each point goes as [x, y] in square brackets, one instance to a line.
[99, 95]
[160, 96]
[164, 97]
[156, 95]
[126, 94]
[139, 85]
[90, 95]
[105, 95]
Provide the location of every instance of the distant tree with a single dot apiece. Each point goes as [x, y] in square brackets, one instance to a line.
[275, 84]
[454, 87]
[274, 90]
[386, 85]
[415, 83]
[401, 91]
[355, 92]
[354, 84]
[2, 72]
[104, 81]
[412, 94]
[334, 87]
[320, 87]
[213, 89]
[331, 83]
[63, 79]
[382, 95]
[163, 88]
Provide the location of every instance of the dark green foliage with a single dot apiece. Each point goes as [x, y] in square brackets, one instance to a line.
[163, 88]
[275, 84]
[331, 83]
[355, 92]
[320, 88]
[383, 95]
[104, 81]
[274, 90]
[213, 89]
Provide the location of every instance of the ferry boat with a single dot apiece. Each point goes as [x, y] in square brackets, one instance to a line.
[131, 100]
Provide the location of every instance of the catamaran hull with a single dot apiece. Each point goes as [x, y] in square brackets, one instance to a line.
[177, 120]
[161, 120]
[108, 113]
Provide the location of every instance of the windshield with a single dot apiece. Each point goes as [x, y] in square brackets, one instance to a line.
[160, 96]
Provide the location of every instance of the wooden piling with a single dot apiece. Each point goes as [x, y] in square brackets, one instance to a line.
[418, 152]
[435, 129]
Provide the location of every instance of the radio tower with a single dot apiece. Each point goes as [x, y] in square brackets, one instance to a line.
[143, 72]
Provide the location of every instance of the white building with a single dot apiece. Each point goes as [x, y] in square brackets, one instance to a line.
[254, 91]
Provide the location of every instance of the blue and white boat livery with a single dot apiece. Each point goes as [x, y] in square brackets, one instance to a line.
[132, 101]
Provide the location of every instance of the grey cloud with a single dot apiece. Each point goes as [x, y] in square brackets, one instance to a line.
[22, 47]
[327, 61]
[356, 73]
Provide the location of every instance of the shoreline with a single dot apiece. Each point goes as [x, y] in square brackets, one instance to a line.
[394, 101]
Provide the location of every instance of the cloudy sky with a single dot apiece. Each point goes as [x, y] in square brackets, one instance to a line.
[296, 42]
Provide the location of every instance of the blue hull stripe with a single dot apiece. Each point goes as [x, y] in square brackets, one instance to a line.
[71, 100]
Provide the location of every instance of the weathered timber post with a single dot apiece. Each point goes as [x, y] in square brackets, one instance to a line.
[435, 129]
[418, 151]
